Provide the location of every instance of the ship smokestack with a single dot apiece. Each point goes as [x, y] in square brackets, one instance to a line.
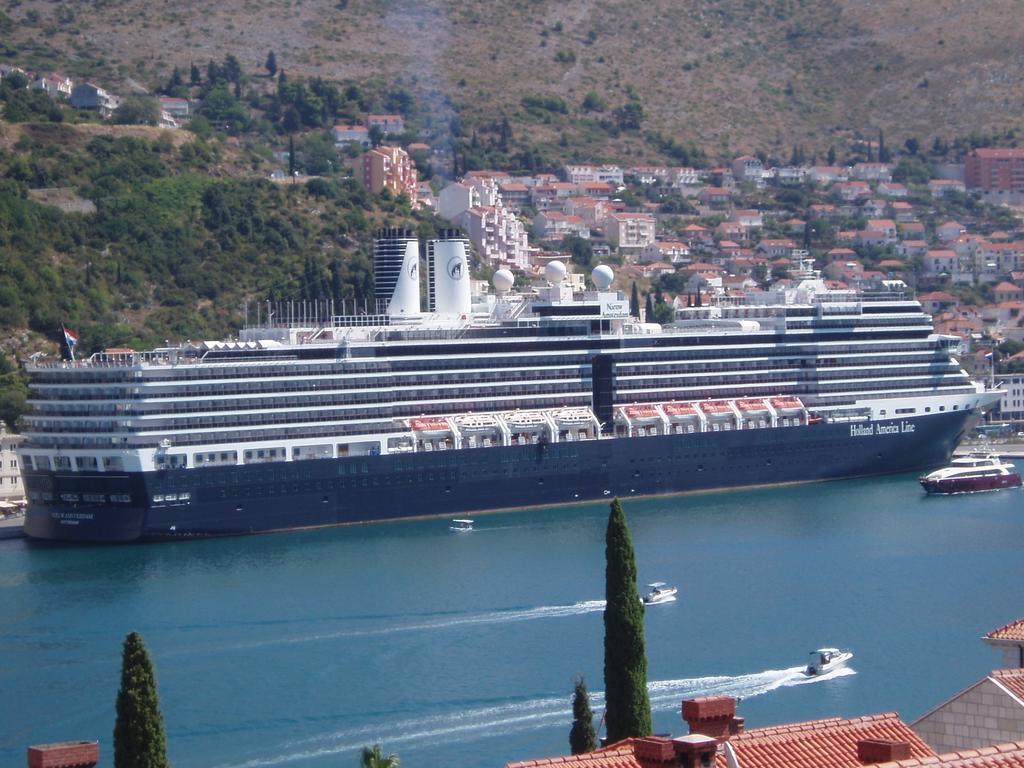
[396, 271]
[448, 286]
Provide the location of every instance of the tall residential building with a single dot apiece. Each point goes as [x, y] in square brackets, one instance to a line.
[995, 170]
[11, 488]
[387, 168]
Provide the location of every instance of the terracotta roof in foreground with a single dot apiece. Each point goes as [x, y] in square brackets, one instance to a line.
[1013, 631]
[1010, 755]
[827, 743]
[1010, 679]
[622, 754]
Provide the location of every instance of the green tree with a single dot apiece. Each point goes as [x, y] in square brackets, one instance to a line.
[582, 737]
[634, 302]
[193, 76]
[139, 739]
[374, 757]
[649, 308]
[593, 102]
[627, 707]
[138, 110]
[580, 248]
[271, 65]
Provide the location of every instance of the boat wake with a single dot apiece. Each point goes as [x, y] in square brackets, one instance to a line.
[531, 714]
[449, 621]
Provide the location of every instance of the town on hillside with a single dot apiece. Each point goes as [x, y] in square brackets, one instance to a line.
[906, 219]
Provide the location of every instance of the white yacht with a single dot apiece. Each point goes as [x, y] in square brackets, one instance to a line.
[827, 659]
[660, 592]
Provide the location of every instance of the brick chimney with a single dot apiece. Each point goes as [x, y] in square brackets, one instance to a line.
[871, 751]
[695, 751]
[713, 716]
[66, 754]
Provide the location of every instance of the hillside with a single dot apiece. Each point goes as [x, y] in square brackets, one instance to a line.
[724, 75]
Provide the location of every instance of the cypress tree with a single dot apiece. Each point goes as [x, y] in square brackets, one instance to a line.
[634, 302]
[649, 308]
[139, 739]
[627, 707]
[271, 65]
[582, 737]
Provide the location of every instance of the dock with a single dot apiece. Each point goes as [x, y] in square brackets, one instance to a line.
[1003, 449]
[12, 527]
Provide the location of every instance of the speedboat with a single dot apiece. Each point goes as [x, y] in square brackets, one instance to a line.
[462, 525]
[660, 592]
[971, 474]
[826, 659]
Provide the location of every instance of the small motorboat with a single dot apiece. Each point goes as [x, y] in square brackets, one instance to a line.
[462, 525]
[659, 592]
[972, 474]
[826, 659]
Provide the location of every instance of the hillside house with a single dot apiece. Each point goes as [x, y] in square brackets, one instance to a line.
[950, 231]
[748, 168]
[851, 191]
[993, 169]
[555, 225]
[936, 301]
[826, 175]
[892, 189]
[514, 194]
[871, 172]
[388, 124]
[886, 226]
[91, 96]
[179, 109]
[775, 248]
[351, 134]
[748, 219]
[632, 231]
[942, 187]
[665, 250]
[54, 86]
[714, 197]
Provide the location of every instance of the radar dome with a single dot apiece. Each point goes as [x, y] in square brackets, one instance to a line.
[502, 280]
[554, 272]
[602, 277]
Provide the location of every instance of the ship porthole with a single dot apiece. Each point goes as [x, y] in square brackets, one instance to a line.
[238, 508]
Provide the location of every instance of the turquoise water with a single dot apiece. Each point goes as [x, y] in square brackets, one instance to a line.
[461, 648]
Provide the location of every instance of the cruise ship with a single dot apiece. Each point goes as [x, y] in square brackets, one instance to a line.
[480, 402]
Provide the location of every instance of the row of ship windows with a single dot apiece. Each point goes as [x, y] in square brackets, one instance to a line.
[311, 370]
[758, 374]
[58, 408]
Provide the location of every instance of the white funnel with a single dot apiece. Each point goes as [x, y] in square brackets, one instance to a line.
[450, 270]
[406, 298]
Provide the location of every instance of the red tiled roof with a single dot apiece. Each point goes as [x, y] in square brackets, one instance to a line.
[622, 754]
[1012, 631]
[1010, 755]
[1010, 679]
[827, 743]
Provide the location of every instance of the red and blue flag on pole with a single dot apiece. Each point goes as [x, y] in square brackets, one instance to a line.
[71, 339]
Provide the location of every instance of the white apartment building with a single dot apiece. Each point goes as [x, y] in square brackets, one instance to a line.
[632, 231]
[11, 488]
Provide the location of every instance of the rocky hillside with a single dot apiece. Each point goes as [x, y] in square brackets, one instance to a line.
[593, 77]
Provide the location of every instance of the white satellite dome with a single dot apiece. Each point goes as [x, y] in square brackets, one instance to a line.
[503, 280]
[602, 277]
[554, 272]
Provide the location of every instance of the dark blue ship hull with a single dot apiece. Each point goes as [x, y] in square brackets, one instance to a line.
[303, 494]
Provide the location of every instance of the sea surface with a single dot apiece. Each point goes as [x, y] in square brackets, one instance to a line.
[461, 648]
